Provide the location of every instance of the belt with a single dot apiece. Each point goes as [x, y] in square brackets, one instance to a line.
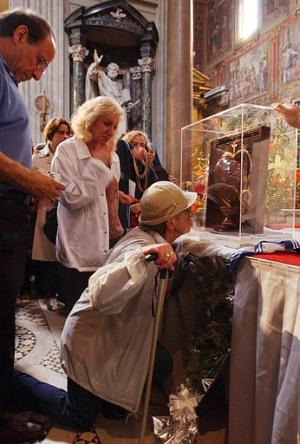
[16, 196]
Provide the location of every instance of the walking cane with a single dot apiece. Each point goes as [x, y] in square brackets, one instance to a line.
[164, 276]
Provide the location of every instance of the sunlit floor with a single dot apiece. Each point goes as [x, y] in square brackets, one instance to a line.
[37, 353]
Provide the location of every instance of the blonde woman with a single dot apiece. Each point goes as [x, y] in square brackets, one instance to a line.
[142, 156]
[83, 165]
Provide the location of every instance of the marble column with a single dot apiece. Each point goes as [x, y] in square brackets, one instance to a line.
[79, 53]
[179, 81]
[146, 66]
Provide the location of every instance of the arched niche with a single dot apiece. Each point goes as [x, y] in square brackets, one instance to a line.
[122, 35]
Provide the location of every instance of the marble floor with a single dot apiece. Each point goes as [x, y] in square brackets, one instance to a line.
[37, 352]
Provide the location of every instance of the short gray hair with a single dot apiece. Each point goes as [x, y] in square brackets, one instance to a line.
[38, 27]
[159, 228]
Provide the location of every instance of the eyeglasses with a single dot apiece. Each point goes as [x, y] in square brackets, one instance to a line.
[42, 65]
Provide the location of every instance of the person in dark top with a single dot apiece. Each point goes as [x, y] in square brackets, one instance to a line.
[140, 168]
[26, 49]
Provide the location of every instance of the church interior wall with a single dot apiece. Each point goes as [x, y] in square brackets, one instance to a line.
[56, 81]
[263, 69]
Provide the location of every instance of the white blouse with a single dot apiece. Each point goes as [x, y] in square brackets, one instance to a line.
[83, 232]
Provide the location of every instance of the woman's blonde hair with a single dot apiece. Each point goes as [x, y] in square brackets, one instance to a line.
[129, 137]
[87, 114]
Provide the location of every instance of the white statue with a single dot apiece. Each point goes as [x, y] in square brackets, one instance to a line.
[106, 84]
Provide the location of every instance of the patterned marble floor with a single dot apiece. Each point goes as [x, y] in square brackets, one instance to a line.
[37, 352]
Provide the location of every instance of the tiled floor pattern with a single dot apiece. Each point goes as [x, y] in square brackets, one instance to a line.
[37, 352]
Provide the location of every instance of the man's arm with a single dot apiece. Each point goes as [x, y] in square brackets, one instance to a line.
[290, 113]
[30, 181]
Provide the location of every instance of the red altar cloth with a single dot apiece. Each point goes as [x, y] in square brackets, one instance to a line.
[284, 258]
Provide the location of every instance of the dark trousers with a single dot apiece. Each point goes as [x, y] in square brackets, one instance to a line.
[73, 283]
[77, 408]
[14, 231]
[47, 282]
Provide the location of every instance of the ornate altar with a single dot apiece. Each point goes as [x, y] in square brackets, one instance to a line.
[123, 36]
[242, 164]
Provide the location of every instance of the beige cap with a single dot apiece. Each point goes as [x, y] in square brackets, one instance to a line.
[162, 201]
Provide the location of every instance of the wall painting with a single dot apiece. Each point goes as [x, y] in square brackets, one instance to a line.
[274, 11]
[289, 57]
[249, 75]
[219, 29]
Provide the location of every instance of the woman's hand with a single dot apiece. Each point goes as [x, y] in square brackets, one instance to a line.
[290, 113]
[138, 152]
[166, 255]
[135, 208]
[126, 198]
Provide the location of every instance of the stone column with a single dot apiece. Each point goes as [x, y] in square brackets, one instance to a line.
[146, 64]
[179, 81]
[78, 52]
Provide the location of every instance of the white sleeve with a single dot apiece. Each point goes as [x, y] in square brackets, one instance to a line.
[81, 188]
[115, 166]
[114, 284]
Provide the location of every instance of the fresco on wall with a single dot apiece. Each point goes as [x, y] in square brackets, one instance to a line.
[198, 34]
[289, 56]
[249, 75]
[219, 74]
[219, 29]
[274, 11]
[269, 72]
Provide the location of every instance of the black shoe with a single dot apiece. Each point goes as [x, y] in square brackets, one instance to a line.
[15, 431]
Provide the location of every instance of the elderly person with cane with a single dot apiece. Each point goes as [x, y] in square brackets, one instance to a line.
[106, 340]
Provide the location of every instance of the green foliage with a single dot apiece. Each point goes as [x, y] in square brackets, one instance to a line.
[214, 293]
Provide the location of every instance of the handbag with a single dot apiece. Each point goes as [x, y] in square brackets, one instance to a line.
[50, 226]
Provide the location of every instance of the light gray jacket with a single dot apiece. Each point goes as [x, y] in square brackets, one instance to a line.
[106, 339]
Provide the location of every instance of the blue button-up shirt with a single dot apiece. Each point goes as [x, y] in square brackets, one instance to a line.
[15, 137]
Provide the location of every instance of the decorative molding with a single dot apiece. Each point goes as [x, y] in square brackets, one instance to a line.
[106, 20]
[78, 52]
[118, 15]
[136, 72]
[146, 64]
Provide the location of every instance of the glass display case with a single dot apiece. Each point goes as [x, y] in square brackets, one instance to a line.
[242, 164]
